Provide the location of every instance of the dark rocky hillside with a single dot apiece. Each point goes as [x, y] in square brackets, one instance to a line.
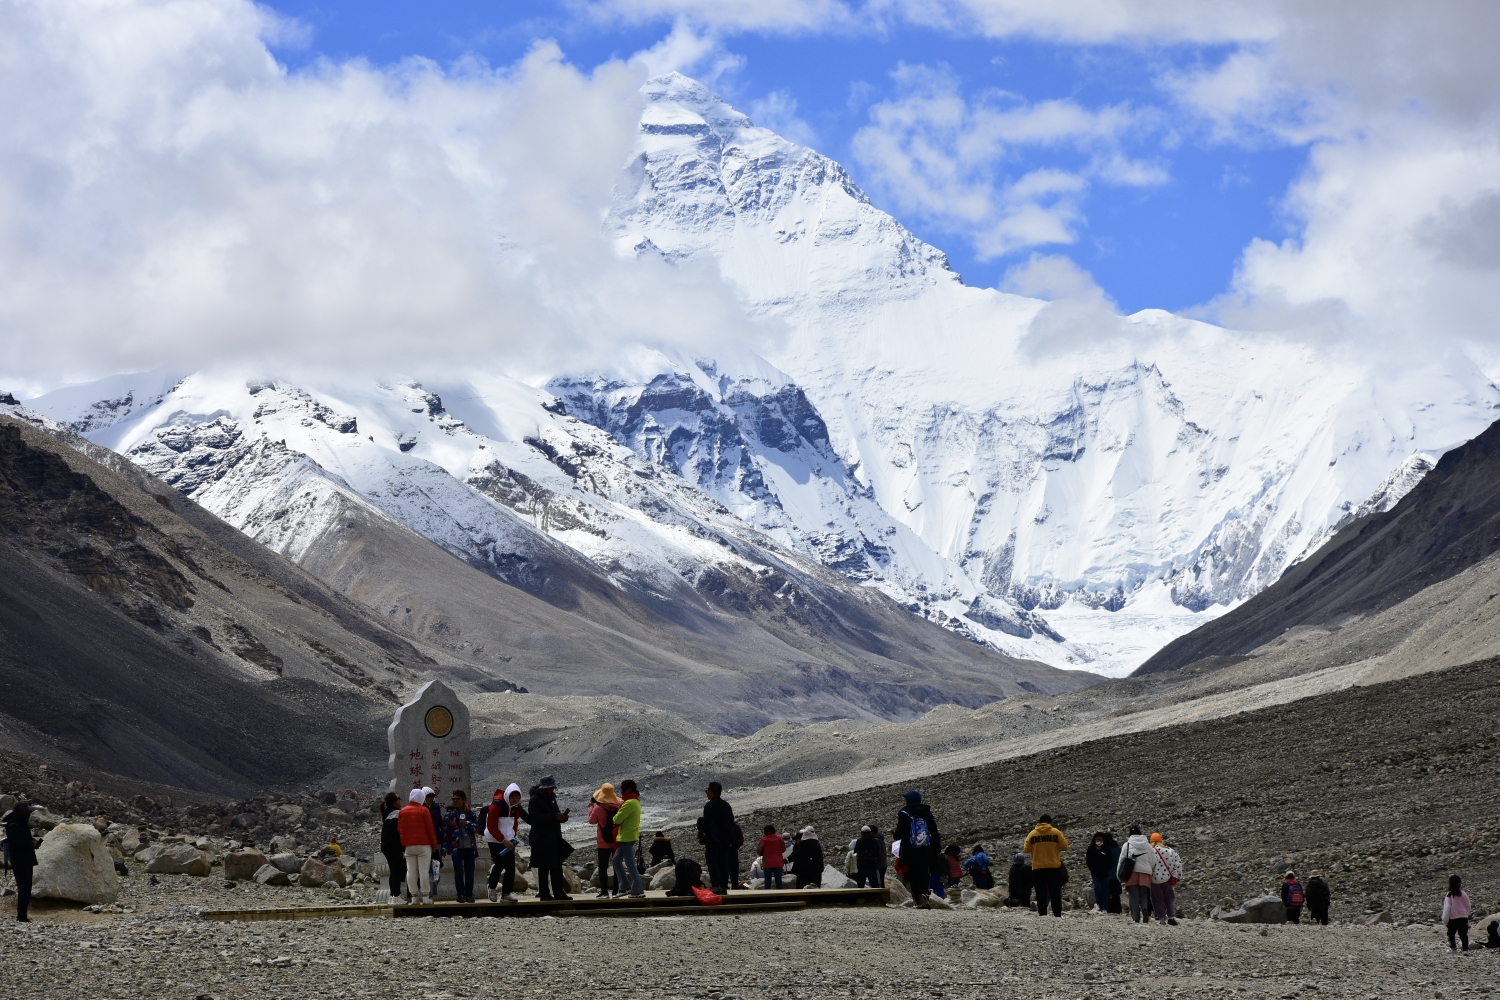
[1449, 523]
[1386, 789]
[134, 643]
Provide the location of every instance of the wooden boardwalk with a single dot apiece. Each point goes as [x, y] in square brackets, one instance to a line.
[582, 905]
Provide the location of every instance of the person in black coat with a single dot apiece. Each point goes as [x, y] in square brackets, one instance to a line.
[1102, 857]
[869, 858]
[716, 832]
[22, 851]
[807, 860]
[390, 842]
[548, 849]
[921, 845]
[661, 849]
[1318, 898]
[1018, 882]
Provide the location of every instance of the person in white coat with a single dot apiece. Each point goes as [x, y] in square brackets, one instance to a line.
[1137, 864]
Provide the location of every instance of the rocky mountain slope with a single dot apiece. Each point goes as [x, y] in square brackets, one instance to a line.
[745, 634]
[145, 639]
[1413, 585]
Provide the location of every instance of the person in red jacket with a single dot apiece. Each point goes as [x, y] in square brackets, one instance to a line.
[418, 840]
[772, 856]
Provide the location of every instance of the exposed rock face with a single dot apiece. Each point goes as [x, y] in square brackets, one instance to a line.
[271, 875]
[73, 863]
[180, 859]
[1260, 910]
[315, 873]
[242, 865]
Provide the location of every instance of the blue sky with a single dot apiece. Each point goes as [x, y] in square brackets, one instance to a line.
[1172, 242]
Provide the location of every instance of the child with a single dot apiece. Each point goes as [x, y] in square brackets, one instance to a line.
[772, 850]
[955, 870]
[1456, 913]
[1293, 896]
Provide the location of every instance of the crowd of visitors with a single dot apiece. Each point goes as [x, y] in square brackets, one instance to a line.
[1139, 876]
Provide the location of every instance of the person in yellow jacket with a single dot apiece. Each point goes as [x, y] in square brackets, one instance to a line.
[1045, 843]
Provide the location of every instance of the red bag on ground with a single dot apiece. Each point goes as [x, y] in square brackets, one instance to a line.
[707, 896]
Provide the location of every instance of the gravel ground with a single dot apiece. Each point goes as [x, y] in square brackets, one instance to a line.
[163, 950]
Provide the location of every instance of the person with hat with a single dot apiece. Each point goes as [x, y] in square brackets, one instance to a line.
[1318, 898]
[602, 808]
[1293, 897]
[921, 844]
[419, 840]
[1166, 872]
[627, 834]
[501, 830]
[460, 833]
[807, 859]
[548, 848]
[661, 848]
[1045, 843]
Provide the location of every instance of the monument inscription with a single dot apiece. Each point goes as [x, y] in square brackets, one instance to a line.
[429, 743]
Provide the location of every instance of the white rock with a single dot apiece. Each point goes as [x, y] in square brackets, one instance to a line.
[73, 863]
[835, 879]
[664, 879]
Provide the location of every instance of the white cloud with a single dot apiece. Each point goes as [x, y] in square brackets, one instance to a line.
[954, 162]
[1077, 311]
[777, 111]
[169, 194]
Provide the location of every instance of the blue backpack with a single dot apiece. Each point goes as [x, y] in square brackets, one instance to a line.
[919, 835]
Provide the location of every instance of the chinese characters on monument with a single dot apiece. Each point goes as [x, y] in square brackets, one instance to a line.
[429, 743]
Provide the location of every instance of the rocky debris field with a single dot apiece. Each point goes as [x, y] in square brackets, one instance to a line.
[162, 949]
[1385, 789]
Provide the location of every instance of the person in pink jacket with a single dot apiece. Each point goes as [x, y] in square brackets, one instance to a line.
[1456, 913]
[602, 809]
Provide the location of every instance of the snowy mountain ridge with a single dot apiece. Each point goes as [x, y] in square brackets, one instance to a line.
[928, 439]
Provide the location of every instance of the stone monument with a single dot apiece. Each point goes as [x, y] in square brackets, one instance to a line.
[429, 742]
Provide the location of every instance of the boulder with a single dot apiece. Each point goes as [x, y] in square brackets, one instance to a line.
[43, 818]
[666, 878]
[314, 874]
[938, 902]
[287, 862]
[523, 863]
[1371, 919]
[243, 864]
[271, 875]
[131, 841]
[148, 854]
[1266, 909]
[180, 859]
[337, 815]
[73, 863]
[899, 892]
[979, 897]
[835, 879]
[573, 882]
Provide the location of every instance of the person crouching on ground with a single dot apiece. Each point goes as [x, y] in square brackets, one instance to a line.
[602, 808]
[1293, 896]
[390, 842]
[1165, 874]
[501, 827]
[1456, 913]
[1045, 843]
[807, 860]
[772, 851]
[1318, 898]
[1018, 882]
[419, 840]
[627, 834]
[978, 867]
[661, 849]
[921, 845]
[1134, 871]
[953, 865]
[460, 842]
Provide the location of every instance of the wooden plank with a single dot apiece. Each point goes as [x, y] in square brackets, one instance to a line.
[696, 909]
[297, 913]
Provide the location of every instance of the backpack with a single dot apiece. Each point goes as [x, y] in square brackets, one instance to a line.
[1294, 895]
[919, 835]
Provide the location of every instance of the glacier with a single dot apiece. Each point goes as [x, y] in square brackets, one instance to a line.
[1078, 497]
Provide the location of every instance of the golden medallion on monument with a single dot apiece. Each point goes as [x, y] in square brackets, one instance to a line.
[439, 721]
